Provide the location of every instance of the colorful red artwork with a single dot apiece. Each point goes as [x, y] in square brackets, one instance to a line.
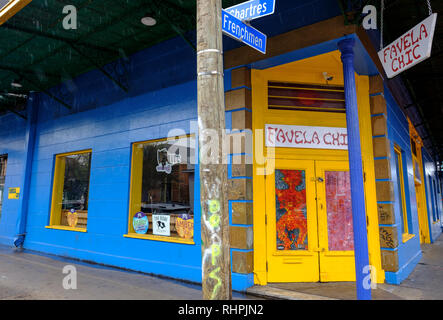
[339, 211]
[291, 222]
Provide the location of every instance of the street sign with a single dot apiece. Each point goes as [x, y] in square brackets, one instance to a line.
[9, 8]
[410, 49]
[252, 9]
[238, 30]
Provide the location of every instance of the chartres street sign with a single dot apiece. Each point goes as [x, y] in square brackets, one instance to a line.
[251, 10]
[238, 30]
[410, 49]
[288, 136]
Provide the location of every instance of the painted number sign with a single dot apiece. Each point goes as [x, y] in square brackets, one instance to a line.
[410, 49]
[14, 193]
[287, 136]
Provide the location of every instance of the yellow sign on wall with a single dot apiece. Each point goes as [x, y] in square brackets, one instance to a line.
[14, 193]
[9, 8]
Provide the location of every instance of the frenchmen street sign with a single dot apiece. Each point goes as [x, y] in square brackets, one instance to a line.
[410, 49]
[233, 22]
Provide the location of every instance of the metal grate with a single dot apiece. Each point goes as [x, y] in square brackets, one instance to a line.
[306, 97]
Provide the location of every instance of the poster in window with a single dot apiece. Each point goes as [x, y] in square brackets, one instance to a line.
[72, 218]
[140, 223]
[184, 224]
[161, 225]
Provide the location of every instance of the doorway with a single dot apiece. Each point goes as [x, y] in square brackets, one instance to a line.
[309, 222]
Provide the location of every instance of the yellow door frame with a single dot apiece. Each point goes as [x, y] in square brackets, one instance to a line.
[420, 192]
[308, 71]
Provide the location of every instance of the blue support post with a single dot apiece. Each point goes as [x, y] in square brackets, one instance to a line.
[27, 170]
[346, 48]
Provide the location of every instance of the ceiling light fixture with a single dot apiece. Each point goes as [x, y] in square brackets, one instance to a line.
[148, 21]
[16, 84]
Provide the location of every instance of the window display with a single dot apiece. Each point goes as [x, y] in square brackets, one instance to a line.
[71, 190]
[162, 189]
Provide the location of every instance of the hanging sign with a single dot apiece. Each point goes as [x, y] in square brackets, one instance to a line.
[287, 136]
[140, 223]
[161, 224]
[251, 10]
[240, 31]
[14, 193]
[410, 49]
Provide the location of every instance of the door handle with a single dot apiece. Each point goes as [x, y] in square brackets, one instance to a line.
[320, 179]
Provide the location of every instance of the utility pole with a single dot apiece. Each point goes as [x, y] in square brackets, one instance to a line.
[216, 265]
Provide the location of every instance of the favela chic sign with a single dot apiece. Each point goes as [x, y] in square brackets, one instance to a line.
[290, 136]
[410, 49]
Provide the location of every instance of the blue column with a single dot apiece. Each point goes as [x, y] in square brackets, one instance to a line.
[346, 48]
[32, 110]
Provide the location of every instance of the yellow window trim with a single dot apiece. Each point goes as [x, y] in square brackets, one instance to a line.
[402, 189]
[136, 183]
[407, 236]
[158, 238]
[55, 213]
[66, 228]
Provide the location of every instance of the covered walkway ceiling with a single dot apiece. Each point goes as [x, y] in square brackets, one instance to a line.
[425, 80]
[37, 53]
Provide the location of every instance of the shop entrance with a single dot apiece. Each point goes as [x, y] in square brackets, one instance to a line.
[309, 222]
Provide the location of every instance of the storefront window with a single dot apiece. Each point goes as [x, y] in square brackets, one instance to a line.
[162, 190]
[71, 191]
[3, 160]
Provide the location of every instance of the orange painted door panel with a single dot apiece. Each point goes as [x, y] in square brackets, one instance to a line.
[292, 240]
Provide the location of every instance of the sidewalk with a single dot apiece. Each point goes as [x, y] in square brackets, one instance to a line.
[424, 283]
[30, 276]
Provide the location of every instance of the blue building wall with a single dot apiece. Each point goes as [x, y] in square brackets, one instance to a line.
[12, 143]
[433, 196]
[409, 252]
[162, 101]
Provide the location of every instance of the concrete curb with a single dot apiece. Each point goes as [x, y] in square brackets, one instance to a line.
[281, 294]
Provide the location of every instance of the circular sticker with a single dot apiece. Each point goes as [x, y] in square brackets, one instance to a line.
[140, 223]
[72, 218]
